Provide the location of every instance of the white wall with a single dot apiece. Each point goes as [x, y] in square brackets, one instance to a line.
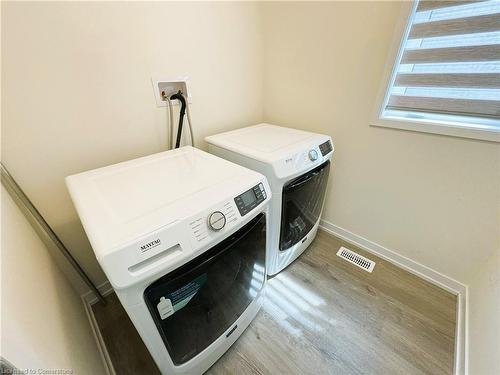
[76, 89]
[484, 318]
[44, 324]
[431, 198]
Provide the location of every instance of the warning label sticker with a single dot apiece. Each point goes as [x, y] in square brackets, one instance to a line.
[179, 298]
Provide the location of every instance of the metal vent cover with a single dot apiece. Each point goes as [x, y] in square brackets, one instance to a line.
[356, 259]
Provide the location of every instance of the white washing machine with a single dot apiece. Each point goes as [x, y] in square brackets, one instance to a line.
[296, 164]
[181, 236]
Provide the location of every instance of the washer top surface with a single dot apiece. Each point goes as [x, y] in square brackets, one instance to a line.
[265, 142]
[121, 202]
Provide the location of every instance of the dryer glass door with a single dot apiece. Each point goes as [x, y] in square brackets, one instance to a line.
[302, 201]
[195, 304]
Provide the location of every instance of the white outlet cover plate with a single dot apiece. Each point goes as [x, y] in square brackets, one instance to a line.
[181, 83]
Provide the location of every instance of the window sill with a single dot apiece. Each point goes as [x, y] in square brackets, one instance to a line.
[426, 126]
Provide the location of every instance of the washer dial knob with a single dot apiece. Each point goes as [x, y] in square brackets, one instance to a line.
[313, 155]
[216, 221]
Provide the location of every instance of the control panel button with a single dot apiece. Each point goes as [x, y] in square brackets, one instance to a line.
[313, 155]
[216, 221]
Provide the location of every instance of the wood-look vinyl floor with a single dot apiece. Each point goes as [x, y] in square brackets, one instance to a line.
[323, 315]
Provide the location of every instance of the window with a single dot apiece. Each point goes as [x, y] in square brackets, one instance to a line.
[446, 78]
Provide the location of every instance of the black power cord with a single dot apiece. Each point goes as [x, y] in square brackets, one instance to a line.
[180, 98]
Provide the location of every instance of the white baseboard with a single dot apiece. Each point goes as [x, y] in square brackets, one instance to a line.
[89, 299]
[462, 334]
[401, 261]
[424, 272]
[105, 288]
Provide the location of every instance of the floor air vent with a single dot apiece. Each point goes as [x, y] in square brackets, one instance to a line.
[356, 259]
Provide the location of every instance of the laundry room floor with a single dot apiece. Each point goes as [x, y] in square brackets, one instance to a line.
[322, 315]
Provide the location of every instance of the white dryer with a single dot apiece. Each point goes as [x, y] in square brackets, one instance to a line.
[296, 164]
[181, 236]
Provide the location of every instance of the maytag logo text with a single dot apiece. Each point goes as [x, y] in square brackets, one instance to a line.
[150, 245]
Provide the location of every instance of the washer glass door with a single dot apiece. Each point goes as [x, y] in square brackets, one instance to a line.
[195, 304]
[302, 201]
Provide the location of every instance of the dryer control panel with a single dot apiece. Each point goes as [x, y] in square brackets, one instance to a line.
[309, 156]
[326, 148]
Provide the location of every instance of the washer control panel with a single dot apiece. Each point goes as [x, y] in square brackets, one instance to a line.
[216, 221]
[250, 199]
[222, 217]
[203, 226]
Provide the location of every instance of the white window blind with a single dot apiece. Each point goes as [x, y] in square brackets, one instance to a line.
[448, 68]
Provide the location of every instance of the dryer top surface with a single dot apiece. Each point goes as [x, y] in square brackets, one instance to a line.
[266, 142]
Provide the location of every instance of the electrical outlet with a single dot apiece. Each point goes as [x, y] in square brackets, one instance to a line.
[170, 87]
